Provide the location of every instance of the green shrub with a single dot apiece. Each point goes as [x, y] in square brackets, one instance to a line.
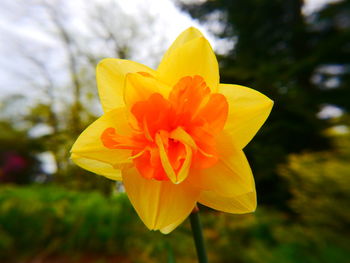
[45, 221]
[49, 219]
[320, 184]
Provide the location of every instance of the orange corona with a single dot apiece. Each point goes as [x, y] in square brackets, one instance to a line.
[190, 109]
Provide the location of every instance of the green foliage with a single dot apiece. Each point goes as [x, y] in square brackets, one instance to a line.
[269, 236]
[48, 221]
[39, 221]
[52, 219]
[321, 190]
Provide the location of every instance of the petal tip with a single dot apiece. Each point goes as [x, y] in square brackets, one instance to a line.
[103, 61]
[73, 150]
[193, 30]
[269, 104]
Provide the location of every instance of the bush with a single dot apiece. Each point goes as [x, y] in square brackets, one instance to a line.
[49, 221]
[45, 221]
[320, 184]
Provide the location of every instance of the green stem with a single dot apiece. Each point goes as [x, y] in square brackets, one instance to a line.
[198, 236]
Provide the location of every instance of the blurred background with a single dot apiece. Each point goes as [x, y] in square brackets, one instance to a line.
[296, 52]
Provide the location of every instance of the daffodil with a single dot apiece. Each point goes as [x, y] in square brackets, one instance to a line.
[174, 135]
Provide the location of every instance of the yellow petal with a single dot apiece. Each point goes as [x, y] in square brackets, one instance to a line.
[165, 160]
[166, 230]
[184, 170]
[230, 176]
[139, 86]
[92, 154]
[110, 75]
[241, 204]
[181, 135]
[248, 110]
[158, 203]
[195, 57]
[97, 167]
[186, 36]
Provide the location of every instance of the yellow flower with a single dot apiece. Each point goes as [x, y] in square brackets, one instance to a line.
[174, 135]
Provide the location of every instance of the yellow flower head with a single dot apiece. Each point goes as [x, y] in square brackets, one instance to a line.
[174, 135]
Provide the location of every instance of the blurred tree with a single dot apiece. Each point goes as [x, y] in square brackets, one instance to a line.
[331, 32]
[278, 52]
[321, 191]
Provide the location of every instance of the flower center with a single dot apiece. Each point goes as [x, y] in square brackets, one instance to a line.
[176, 134]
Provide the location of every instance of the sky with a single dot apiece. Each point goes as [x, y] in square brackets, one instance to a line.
[311, 6]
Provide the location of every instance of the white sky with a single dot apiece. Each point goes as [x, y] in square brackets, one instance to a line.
[311, 6]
